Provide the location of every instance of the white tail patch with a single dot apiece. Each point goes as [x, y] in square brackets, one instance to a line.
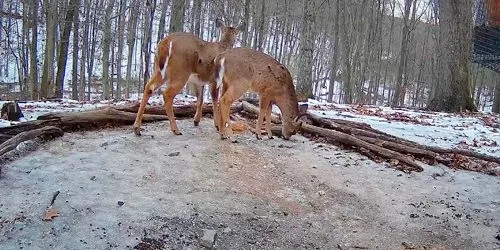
[164, 70]
[220, 76]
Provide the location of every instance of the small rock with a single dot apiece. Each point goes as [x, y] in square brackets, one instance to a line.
[93, 178]
[208, 238]
[104, 144]
[120, 203]
[174, 154]
[497, 237]
[227, 230]
[321, 192]
[414, 216]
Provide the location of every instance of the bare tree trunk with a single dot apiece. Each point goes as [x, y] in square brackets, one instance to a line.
[246, 19]
[76, 45]
[496, 99]
[34, 51]
[50, 43]
[176, 18]
[161, 24]
[119, 56]
[304, 85]
[106, 46]
[455, 24]
[147, 37]
[63, 48]
[131, 33]
[336, 52]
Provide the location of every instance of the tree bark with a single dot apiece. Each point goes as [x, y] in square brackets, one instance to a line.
[63, 48]
[106, 47]
[455, 33]
[304, 85]
[50, 43]
[176, 18]
[34, 52]
[76, 46]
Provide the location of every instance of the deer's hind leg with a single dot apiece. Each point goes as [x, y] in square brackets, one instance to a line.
[199, 104]
[176, 83]
[154, 82]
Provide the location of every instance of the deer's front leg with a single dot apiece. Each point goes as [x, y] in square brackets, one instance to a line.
[199, 104]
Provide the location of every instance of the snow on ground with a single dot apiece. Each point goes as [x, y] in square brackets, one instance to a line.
[478, 132]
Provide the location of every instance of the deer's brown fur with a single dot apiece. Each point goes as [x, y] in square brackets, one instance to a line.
[240, 69]
[182, 57]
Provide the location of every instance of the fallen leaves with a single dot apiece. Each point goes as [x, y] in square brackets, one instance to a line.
[50, 213]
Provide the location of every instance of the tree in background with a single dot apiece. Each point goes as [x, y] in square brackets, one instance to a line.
[453, 92]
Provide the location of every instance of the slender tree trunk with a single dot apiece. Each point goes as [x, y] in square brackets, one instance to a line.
[63, 48]
[246, 20]
[161, 24]
[147, 37]
[106, 47]
[119, 56]
[304, 85]
[131, 33]
[34, 51]
[176, 18]
[50, 37]
[76, 45]
[496, 99]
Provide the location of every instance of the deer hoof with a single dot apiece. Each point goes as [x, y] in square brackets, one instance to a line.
[196, 123]
[223, 137]
[233, 139]
[258, 137]
[137, 131]
[176, 132]
[271, 137]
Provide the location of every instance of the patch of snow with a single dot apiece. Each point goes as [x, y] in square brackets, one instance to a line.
[428, 128]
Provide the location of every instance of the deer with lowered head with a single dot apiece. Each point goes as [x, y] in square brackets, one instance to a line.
[240, 69]
[182, 57]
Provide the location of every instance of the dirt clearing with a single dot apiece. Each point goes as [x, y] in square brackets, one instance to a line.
[194, 191]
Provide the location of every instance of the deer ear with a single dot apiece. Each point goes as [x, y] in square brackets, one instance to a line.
[219, 23]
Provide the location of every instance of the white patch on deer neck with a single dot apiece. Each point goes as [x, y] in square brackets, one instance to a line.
[193, 78]
[220, 76]
[164, 70]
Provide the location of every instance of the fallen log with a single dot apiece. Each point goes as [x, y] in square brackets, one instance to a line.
[255, 110]
[350, 140]
[182, 111]
[94, 119]
[45, 133]
[9, 132]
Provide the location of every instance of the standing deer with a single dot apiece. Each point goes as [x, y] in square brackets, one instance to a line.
[182, 57]
[240, 69]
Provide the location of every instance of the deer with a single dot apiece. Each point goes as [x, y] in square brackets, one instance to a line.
[182, 57]
[240, 69]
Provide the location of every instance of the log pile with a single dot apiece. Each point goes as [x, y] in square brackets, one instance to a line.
[401, 154]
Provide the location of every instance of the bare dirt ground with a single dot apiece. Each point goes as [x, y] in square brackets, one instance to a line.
[161, 191]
